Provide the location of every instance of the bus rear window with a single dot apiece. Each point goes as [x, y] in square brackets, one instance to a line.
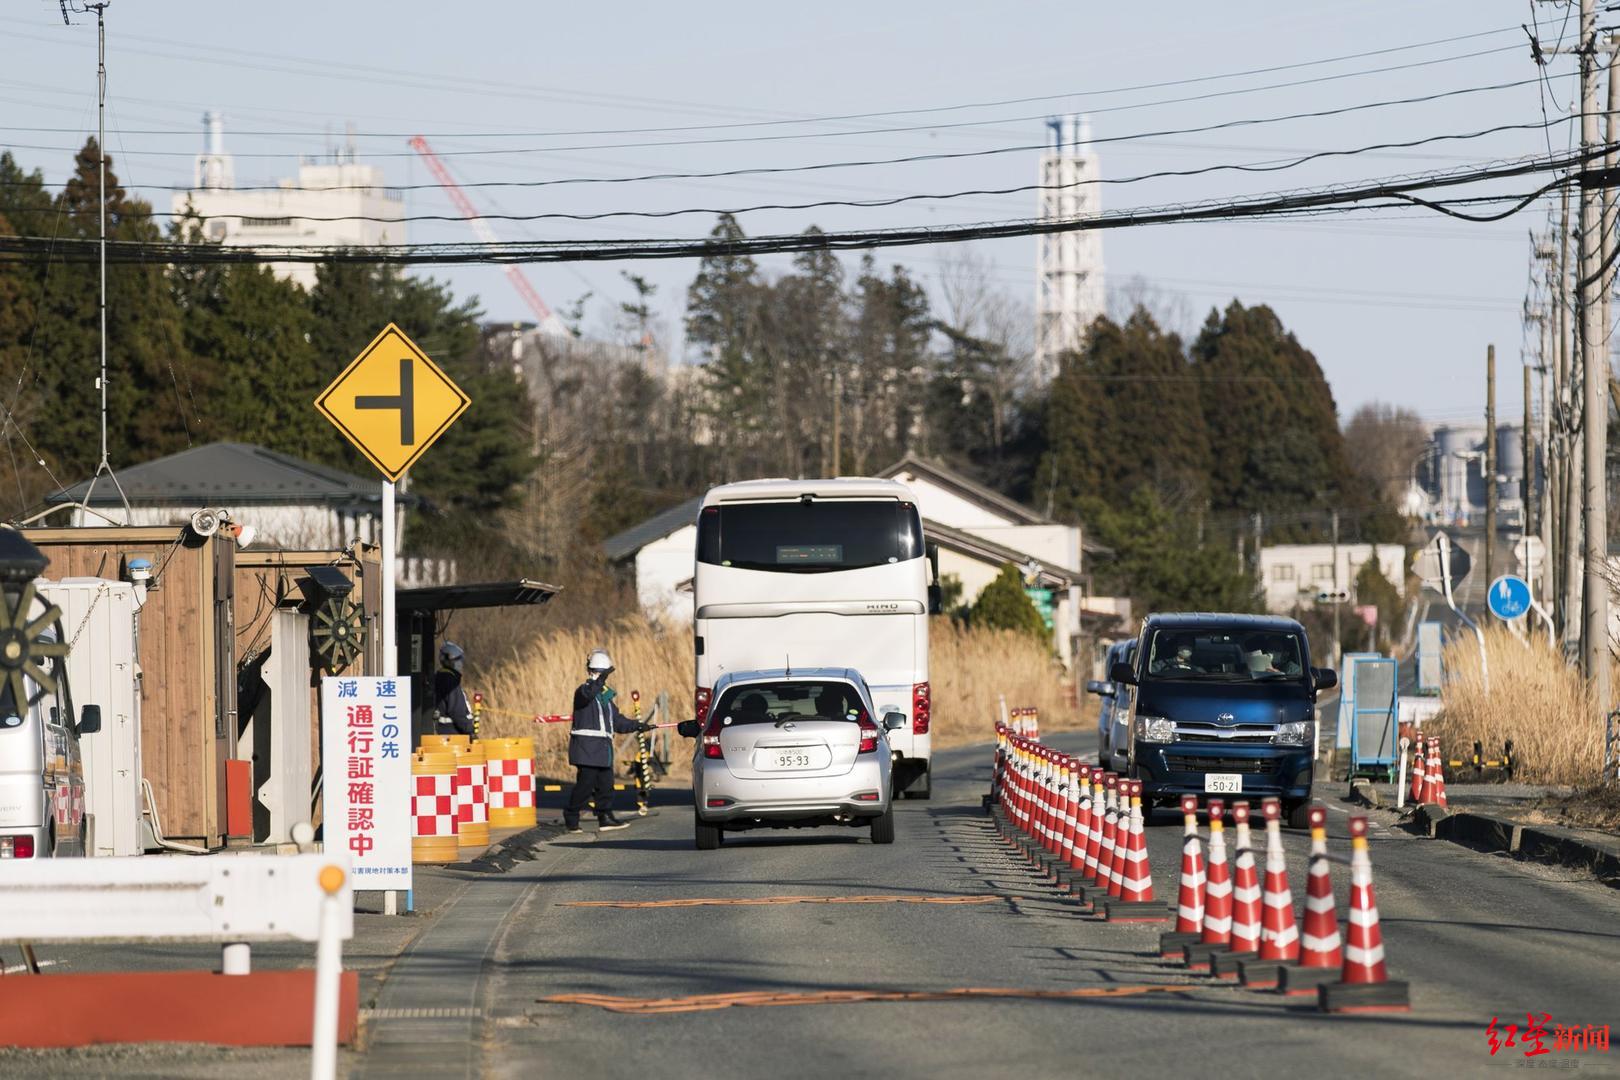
[812, 536]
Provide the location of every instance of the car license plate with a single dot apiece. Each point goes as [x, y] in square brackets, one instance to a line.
[1223, 782]
[791, 759]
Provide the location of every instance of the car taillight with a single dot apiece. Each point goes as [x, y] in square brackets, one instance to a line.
[869, 734]
[16, 847]
[919, 709]
[711, 739]
[701, 699]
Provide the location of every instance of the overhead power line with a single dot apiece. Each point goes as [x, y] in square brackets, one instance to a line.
[1340, 198]
[898, 200]
[212, 53]
[843, 133]
[1224, 125]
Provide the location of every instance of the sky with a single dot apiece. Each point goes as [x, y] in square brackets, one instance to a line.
[1397, 305]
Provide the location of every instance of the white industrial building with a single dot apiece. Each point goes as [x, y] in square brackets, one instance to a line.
[1293, 574]
[978, 532]
[1449, 479]
[291, 214]
[1069, 265]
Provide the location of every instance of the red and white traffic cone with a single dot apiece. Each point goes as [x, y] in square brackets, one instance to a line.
[1217, 933]
[1073, 871]
[1321, 953]
[1279, 937]
[1110, 837]
[1061, 821]
[1415, 791]
[1431, 773]
[1245, 901]
[1135, 903]
[1439, 777]
[1122, 839]
[1364, 985]
[992, 800]
[1190, 892]
[1094, 838]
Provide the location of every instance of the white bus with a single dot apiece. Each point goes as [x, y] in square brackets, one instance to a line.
[820, 573]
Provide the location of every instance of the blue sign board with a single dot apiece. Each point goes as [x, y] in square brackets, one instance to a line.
[1509, 597]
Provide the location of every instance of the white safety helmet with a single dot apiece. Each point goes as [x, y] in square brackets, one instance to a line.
[451, 656]
[598, 661]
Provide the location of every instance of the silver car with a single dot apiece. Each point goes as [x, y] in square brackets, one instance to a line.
[789, 749]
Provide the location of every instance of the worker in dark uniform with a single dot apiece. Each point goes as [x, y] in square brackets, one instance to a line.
[453, 714]
[590, 745]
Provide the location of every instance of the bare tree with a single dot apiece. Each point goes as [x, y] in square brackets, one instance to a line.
[1171, 310]
[1382, 443]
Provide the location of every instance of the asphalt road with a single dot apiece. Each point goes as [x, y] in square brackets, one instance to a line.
[1476, 936]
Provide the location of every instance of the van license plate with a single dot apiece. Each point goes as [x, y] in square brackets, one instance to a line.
[1223, 782]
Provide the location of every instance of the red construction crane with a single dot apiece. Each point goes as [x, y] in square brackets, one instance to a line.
[514, 273]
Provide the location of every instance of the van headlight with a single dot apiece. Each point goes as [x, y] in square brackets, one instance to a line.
[1294, 733]
[1155, 729]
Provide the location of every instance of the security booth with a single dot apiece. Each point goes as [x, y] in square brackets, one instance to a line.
[1374, 707]
[299, 615]
[423, 616]
[183, 715]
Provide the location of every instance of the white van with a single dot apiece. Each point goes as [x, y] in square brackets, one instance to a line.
[42, 794]
[794, 574]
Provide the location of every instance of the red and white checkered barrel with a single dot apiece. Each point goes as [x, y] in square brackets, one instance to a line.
[472, 797]
[434, 826]
[511, 782]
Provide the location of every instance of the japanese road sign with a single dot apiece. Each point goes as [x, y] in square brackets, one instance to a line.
[392, 402]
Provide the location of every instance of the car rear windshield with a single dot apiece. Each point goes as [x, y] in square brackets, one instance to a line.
[809, 536]
[1232, 655]
[770, 703]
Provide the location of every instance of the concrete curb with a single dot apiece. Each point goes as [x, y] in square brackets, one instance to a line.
[1538, 843]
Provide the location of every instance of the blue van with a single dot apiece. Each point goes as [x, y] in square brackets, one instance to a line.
[1225, 705]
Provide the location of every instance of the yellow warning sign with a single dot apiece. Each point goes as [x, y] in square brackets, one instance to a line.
[392, 402]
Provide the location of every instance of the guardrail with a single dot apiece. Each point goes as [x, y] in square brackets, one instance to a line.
[233, 900]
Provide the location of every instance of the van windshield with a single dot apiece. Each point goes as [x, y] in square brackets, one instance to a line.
[809, 536]
[1226, 656]
[773, 703]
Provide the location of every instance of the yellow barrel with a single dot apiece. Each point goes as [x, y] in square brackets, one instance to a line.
[472, 795]
[433, 807]
[511, 782]
[441, 742]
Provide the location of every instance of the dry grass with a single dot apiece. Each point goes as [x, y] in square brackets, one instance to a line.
[970, 670]
[1536, 699]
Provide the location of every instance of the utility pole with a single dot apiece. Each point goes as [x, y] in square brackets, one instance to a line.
[1338, 660]
[105, 464]
[838, 424]
[1595, 372]
[1490, 464]
[1546, 253]
[1527, 471]
[1257, 534]
[1569, 407]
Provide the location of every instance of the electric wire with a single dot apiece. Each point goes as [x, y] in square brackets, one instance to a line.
[211, 54]
[893, 130]
[898, 200]
[1338, 198]
[1224, 125]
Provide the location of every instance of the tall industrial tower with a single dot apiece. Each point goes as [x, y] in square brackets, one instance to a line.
[1069, 267]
